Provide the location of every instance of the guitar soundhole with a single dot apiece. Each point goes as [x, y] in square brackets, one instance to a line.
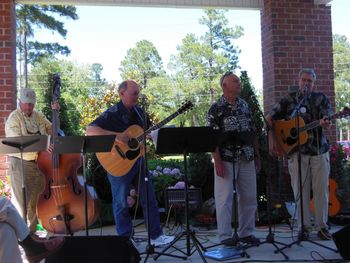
[293, 133]
[133, 144]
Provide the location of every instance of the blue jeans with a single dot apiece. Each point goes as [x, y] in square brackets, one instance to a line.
[120, 188]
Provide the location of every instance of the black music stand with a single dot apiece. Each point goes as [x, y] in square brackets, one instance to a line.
[83, 145]
[34, 143]
[184, 141]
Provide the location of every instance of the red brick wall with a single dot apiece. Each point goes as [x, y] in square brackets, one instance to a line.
[7, 68]
[295, 34]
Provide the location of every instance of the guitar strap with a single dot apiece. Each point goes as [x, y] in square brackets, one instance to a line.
[138, 114]
[133, 117]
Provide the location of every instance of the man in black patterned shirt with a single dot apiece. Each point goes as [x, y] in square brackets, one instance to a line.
[231, 114]
[315, 165]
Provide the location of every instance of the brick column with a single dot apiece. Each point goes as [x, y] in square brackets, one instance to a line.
[7, 68]
[295, 34]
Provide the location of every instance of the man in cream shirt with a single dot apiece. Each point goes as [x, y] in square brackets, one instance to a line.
[26, 121]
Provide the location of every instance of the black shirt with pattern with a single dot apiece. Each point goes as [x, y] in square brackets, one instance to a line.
[227, 117]
[314, 107]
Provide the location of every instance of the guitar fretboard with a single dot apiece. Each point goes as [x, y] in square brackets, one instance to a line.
[160, 124]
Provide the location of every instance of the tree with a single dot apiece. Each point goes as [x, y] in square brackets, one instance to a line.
[341, 48]
[99, 82]
[75, 79]
[97, 69]
[201, 60]
[219, 36]
[141, 63]
[31, 17]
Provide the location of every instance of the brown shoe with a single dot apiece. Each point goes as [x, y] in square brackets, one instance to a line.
[51, 245]
[250, 240]
[323, 234]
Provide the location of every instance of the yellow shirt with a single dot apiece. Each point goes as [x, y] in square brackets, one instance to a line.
[18, 124]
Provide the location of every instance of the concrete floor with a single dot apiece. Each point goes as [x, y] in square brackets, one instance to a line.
[305, 251]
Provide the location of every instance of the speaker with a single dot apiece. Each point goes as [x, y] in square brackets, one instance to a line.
[95, 249]
[342, 241]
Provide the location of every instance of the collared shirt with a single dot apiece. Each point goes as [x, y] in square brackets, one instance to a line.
[18, 124]
[227, 117]
[314, 107]
[118, 118]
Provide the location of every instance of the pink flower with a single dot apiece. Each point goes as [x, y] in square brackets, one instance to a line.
[130, 201]
[179, 185]
[133, 192]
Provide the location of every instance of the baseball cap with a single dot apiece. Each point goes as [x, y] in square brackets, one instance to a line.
[27, 95]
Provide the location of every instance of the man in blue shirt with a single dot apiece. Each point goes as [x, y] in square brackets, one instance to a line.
[116, 120]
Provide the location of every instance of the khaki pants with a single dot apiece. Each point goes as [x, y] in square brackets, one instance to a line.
[12, 229]
[315, 174]
[34, 185]
[246, 199]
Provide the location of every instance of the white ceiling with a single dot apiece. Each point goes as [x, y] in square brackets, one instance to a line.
[244, 4]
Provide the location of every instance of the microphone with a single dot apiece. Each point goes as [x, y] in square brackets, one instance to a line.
[306, 91]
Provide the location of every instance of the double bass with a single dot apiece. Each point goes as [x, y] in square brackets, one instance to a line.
[61, 205]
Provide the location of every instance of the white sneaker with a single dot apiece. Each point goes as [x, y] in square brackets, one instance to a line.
[162, 240]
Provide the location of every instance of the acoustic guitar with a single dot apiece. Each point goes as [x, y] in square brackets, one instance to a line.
[286, 132]
[333, 204]
[122, 157]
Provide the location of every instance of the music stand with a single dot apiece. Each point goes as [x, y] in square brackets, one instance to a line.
[83, 145]
[183, 141]
[33, 143]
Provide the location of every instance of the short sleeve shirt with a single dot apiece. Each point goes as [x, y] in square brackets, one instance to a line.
[118, 118]
[313, 108]
[224, 116]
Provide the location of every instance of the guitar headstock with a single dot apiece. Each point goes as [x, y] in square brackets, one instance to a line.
[186, 106]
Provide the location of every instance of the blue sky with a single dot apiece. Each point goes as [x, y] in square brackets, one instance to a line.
[104, 34]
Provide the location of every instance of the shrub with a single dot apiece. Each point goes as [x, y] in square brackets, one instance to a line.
[163, 178]
[5, 188]
[340, 171]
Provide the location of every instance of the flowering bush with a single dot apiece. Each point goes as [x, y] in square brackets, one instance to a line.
[340, 171]
[5, 188]
[131, 198]
[162, 178]
[338, 160]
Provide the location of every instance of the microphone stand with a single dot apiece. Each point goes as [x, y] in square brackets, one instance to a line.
[143, 165]
[302, 236]
[270, 238]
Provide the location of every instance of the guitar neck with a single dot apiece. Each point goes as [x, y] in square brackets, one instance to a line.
[310, 126]
[157, 126]
[315, 124]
